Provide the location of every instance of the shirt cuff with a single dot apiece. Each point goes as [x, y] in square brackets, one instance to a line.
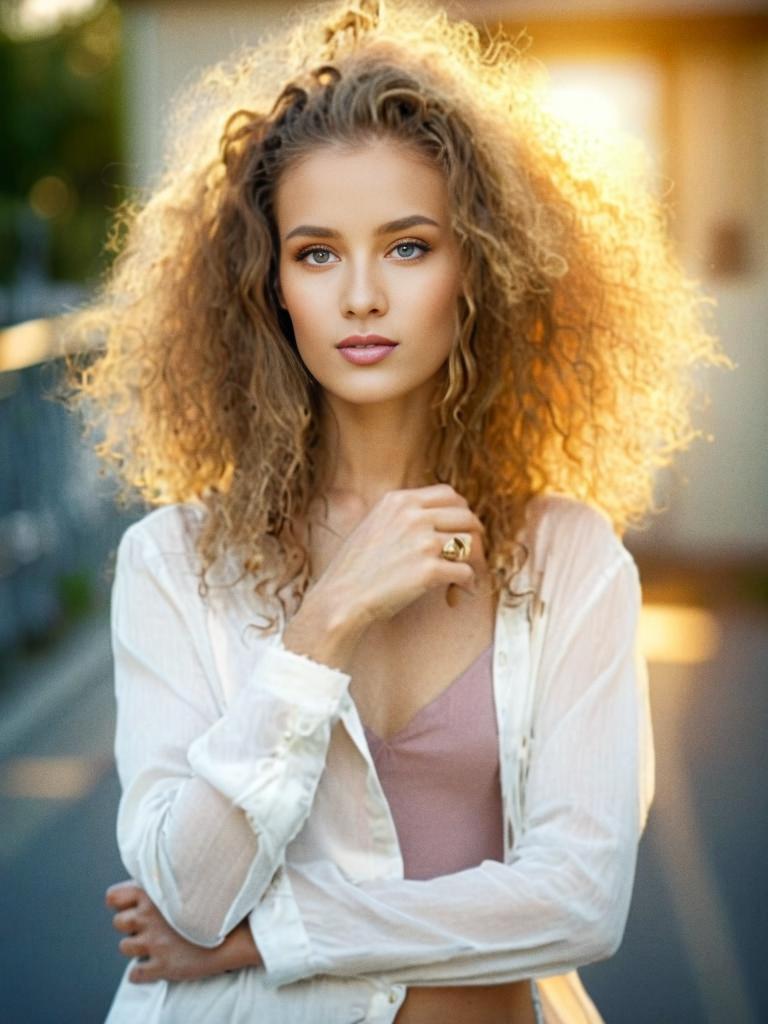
[280, 936]
[299, 679]
[267, 752]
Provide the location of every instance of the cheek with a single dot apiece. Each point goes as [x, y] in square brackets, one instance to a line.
[302, 298]
[440, 303]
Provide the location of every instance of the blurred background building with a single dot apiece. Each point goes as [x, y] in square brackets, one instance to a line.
[85, 86]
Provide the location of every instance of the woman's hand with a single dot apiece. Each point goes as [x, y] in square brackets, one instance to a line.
[162, 952]
[393, 556]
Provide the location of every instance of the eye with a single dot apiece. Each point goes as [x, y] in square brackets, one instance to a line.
[321, 256]
[409, 251]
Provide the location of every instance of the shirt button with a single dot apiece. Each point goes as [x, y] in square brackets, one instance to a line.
[393, 997]
[501, 660]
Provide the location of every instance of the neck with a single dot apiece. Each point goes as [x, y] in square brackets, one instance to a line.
[369, 449]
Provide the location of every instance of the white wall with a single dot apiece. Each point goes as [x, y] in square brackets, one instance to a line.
[167, 45]
[718, 493]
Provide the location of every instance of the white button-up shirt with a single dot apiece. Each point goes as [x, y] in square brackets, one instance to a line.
[249, 790]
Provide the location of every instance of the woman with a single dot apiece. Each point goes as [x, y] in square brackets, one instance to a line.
[398, 363]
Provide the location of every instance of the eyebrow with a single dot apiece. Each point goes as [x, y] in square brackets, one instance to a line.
[385, 229]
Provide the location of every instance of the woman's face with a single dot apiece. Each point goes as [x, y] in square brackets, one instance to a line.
[366, 249]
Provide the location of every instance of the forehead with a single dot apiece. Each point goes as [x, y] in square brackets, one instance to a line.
[364, 186]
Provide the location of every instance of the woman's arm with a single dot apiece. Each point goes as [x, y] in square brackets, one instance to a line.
[164, 955]
[564, 899]
[161, 952]
[214, 786]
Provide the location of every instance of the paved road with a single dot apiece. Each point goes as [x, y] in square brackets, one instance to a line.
[693, 952]
[58, 952]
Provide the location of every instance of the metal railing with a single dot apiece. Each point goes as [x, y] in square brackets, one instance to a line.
[58, 520]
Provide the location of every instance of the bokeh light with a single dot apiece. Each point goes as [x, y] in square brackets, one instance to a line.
[42, 17]
[678, 634]
[51, 196]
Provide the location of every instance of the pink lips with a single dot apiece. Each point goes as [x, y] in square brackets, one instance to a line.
[362, 350]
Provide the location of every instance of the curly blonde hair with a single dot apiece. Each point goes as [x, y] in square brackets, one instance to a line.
[574, 366]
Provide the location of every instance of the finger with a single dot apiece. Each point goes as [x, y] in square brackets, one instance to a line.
[461, 574]
[456, 520]
[435, 495]
[143, 971]
[132, 946]
[125, 921]
[122, 895]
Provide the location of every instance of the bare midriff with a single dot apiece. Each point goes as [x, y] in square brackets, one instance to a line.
[476, 1004]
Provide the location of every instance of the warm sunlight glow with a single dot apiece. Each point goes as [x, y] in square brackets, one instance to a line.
[27, 343]
[50, 778]
[39, 17]
[587, 107]
[618, 102]
[677, 634]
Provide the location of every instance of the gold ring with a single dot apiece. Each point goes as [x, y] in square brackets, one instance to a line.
[457, 549]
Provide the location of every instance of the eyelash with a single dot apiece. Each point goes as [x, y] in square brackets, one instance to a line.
[301, 256]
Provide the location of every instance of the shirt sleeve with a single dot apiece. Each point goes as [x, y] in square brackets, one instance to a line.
[212, 791]
[563, 900]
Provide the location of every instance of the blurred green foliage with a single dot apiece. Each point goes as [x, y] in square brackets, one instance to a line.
[75, 591]
[60, 145]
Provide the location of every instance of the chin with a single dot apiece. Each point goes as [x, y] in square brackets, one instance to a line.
[370, 392]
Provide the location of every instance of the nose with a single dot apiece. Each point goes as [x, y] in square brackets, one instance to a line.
[363, 293]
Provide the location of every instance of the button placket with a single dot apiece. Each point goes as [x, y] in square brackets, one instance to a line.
[378, 1008]
[305, 726]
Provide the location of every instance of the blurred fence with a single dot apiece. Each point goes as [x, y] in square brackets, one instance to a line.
[58, 521]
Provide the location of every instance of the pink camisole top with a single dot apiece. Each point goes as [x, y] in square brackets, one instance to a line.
[440, 775]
